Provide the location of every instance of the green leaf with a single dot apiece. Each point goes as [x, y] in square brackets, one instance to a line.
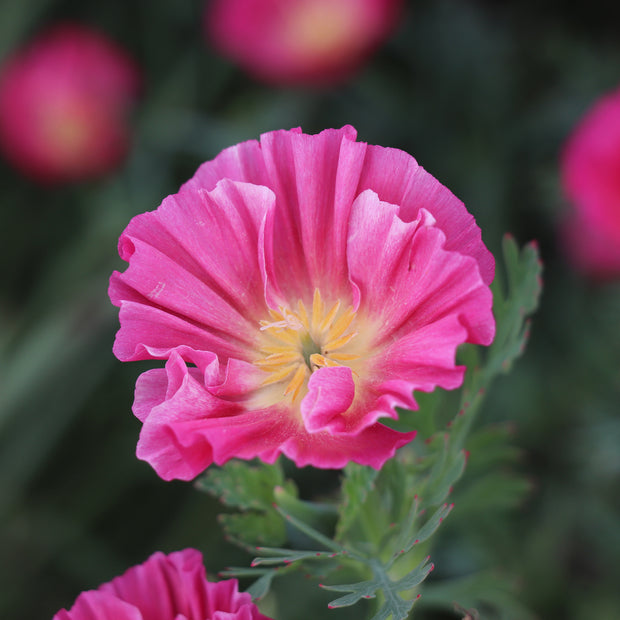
[357, 483]
[512, 306]
[394, 605]
[245, 486]
[272, 556]
[251, 488]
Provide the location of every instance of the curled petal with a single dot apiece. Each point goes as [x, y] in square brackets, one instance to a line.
[330, 394]
[411, 187]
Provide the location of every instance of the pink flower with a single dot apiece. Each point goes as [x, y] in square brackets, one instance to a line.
[591, 181]
[300, 41]
[64, 104]
[165, 587]
[300, 288]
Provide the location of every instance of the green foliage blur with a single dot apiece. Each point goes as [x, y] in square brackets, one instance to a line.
[483, 94]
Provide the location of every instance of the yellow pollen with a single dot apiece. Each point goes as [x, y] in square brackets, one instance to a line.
[293, 344]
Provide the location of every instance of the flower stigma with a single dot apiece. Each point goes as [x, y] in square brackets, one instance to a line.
[295, 344]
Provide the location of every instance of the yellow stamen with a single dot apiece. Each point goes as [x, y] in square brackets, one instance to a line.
[341, 325]
[278, 375]
[321, 361]
[294, 344]
[332, 345]
[329, 317]
[297, 381]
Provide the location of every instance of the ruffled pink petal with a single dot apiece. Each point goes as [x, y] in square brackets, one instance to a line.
[93, 605]
[421, 360]
[314, 178]
[330, 394]
[373, 446]
[148, 332]
[242, 162]
[225, 601]
[406, 277]
[190, 420]
[194, 270]
[165, 586]
[398, 179]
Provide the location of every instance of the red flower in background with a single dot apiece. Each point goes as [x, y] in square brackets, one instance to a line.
[165, 587]
[591, 182]
[64, 105]
[299, 41]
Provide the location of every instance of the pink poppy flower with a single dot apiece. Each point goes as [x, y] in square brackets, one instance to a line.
[591, 182]
[300, 289]
[64, 105]
[165, 587]
[301, 41]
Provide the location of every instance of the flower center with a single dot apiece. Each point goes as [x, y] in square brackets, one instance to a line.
[295, 344]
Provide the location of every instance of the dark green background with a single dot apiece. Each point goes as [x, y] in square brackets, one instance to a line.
[483, 94]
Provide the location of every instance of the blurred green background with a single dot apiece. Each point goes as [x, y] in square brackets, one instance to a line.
[483, 94]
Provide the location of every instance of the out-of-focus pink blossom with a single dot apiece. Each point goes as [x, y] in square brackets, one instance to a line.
[64, 105]
[300, 288]
[165, 587]
[299, 41]
[591, 182]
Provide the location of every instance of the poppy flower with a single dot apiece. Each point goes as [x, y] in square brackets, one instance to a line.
[300, 289]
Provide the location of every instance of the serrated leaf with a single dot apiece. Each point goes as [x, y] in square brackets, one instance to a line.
[243, 485]
[523, 272]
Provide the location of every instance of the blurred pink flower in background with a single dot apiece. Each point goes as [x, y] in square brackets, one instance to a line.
[299, 41]
[165, 587]
[591, 182]
[300, 289]
[64, 105]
